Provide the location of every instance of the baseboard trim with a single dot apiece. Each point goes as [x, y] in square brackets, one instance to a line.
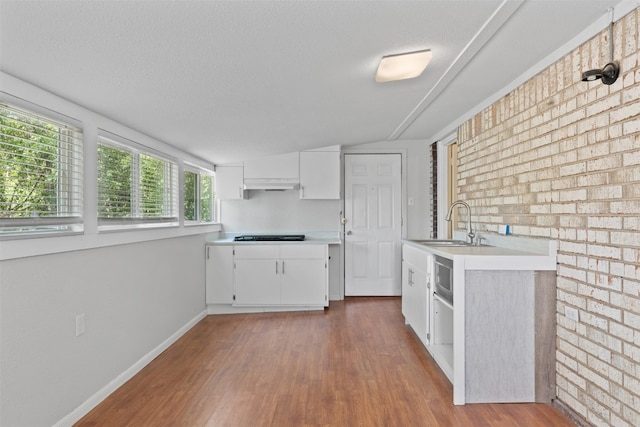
[117, 382]
[576, 418]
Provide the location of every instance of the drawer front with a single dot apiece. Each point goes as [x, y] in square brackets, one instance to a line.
[257, 251]
[420, 258]
[303, 251]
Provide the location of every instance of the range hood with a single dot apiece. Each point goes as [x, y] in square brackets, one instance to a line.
[271, 184]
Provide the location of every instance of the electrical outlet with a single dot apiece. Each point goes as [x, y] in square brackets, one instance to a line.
[572, 314]
[79, 324]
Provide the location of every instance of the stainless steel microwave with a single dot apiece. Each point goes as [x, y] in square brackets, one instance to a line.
[444, 278]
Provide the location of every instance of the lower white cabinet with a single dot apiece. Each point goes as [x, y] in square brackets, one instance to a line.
[416, 291]
[267, 275]
[219, 274]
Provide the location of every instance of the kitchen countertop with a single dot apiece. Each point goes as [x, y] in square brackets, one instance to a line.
[311, 238]
[492, 257]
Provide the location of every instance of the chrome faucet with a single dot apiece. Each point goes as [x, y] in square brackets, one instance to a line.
[470, 232]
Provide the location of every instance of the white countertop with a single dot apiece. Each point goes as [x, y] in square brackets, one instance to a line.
[492, 257]
[311, 238]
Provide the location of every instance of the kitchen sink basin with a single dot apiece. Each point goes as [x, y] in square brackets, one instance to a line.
[444, 242]
[436, 242]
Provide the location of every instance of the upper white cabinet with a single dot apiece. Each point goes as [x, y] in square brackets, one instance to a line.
[283, 166]
[229, 182]
[320, 174]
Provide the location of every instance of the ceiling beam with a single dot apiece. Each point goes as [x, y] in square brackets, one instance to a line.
[499, 17]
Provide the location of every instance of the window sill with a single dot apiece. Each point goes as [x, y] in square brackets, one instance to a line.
[22, 248]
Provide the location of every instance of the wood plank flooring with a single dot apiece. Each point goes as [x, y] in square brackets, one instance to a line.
[355, 364]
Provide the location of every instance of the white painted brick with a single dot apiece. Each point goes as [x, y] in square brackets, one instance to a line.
[591, 319]
[621, 331]
[604, 251]
[594, 293]
[631, 287]
[632, 383]
[604, 310]
[632, 320]
[632, 351]
[630, 159]
[570, 375]
[605, 222]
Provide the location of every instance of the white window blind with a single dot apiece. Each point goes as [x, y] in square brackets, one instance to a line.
[198, 196]
[40, 174]
[135, 187]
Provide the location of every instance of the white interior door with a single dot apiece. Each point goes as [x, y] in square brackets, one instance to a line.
[373, 225]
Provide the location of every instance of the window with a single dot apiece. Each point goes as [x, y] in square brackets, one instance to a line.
[40, 174]
[198, 196]
[135, 187]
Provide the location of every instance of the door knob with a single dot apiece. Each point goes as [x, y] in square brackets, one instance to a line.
[349, 233]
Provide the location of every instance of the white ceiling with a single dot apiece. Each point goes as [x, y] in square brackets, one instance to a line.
[231, 80]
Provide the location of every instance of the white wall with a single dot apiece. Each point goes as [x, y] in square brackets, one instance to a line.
[133, 296]
[138, 291]
[279, 211]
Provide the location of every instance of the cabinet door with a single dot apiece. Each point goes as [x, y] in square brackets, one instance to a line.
[320, 175]
[421, 313]
[303, 282]
[257, 281]
[284, 166]
[219, 274]
[406, 293]
[229, 182]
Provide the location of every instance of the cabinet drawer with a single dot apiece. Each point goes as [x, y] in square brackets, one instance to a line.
[257, 251]
[419, 258]
[303, 251]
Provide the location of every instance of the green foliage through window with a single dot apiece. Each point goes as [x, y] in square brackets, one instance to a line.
[40, 172]
[134, 186]
[198, 196]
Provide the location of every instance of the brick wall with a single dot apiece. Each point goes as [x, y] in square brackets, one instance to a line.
[560, 158]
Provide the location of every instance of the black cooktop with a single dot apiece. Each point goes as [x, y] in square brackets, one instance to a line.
[269, 238]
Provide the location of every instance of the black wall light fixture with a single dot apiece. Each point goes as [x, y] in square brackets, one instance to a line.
[610, 72]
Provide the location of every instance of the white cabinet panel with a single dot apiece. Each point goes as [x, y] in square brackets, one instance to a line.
[416, 291]
[271, 275]
[303, 282]
[229, 182]
[256, 282]
[320, 175]
[219, 274]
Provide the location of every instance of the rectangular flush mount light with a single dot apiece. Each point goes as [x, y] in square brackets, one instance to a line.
[402, 66]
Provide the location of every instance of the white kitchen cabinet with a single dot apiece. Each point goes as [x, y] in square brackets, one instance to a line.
[219, 274]
[283, 166]
[496, 342]
[320, 174]
[229, 182]
[416, 295]
[269, 275]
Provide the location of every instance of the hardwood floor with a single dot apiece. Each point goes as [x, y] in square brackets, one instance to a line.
[355, 364]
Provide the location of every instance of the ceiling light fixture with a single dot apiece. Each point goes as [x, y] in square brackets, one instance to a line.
[403, 66]
[610, 72]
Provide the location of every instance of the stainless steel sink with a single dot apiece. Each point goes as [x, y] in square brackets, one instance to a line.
[445, 242]
[436, 242]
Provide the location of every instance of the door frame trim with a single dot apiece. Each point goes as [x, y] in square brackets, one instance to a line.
[403, 196]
